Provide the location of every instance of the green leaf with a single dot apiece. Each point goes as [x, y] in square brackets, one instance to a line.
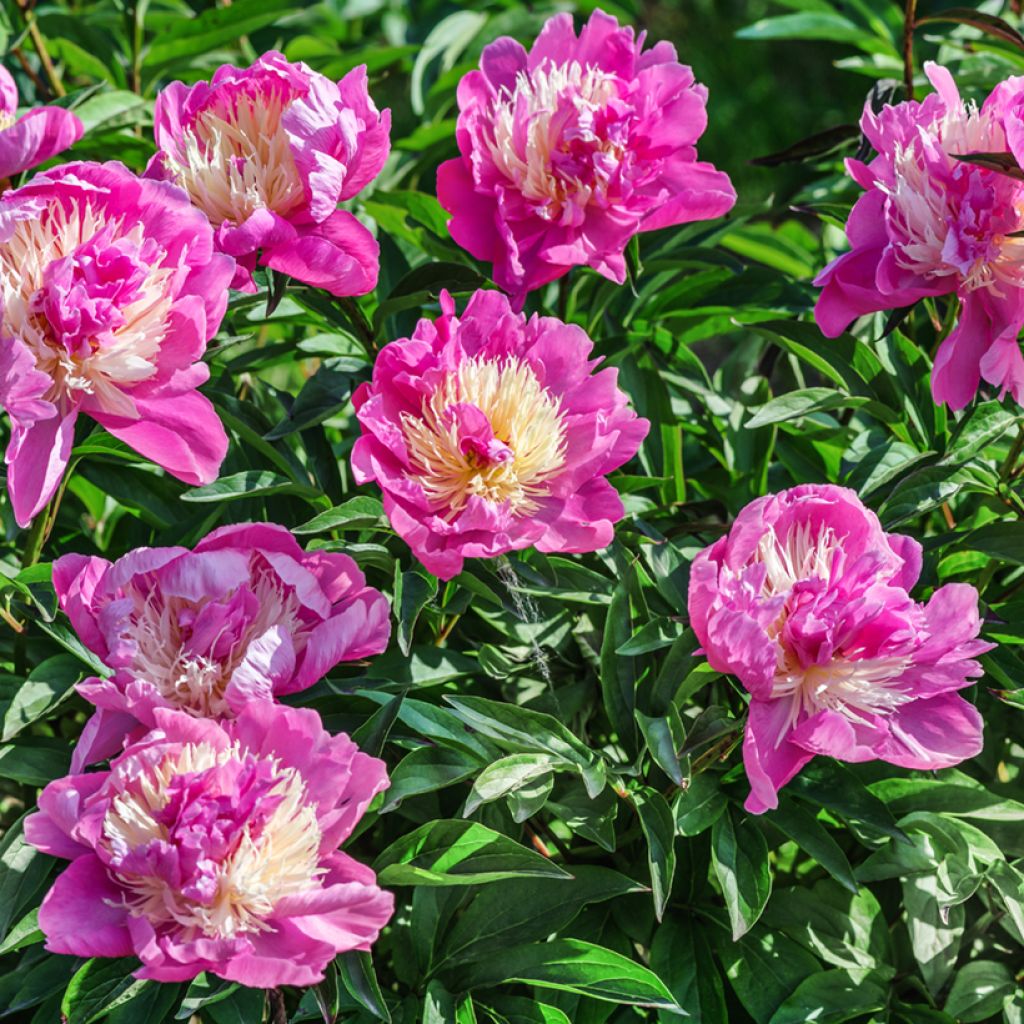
[572, 965]
[505, 776]
[525, 731]
[98, 986]
[323, 395]
[659, 831]
[843, 929]
[987, 23]
[979, 990]
[414, 590]
[618, 676]
[22, 871]
[812, 838]
[360, 981]
[936, 931]
[215, 27]
[355, 514]
[204, 990]
[829, 27]
[832, 997]
[764, 968]
[25, 933]
[241, 1006]
[681, 956]
[739, 855]
[34, 760]
[459, 853]
[425, 770]
[43, 689]
[250, 483]
[697, 807]
[516, 1010]
[510, 913]
[664, 737]
[652, 636]
[796, 404]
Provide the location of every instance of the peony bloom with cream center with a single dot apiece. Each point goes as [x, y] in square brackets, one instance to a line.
[930, 224]
[214, 847]
[569, 150]
[40, 133]
[490, 433]
[267, 153]
[806, 601]
[245, 616]
[110, 289]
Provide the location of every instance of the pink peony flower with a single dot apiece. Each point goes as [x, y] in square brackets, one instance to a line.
[571, 149]
[246, 616]
[930, 224]
[213, 847]
[491, 433]
[806, 602]
[37, 135]
[267, 153]
[109, 291]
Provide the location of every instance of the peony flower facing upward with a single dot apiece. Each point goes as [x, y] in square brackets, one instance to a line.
[214, 847]
[37, 135]
[267, 153]
[109, 291]
[246, 616]
[490, 433]
[806, 602]
[571, 149]
[930, 224]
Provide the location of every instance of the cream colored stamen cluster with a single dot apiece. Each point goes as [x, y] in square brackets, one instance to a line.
[802, 554]
[195, 682]
[238, 159]
[536, 98]
[39, 241]
[7, 119]
[523, 415]
[923, 209]
[282, 860]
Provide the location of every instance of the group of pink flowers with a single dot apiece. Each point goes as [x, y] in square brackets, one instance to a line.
[210, 843]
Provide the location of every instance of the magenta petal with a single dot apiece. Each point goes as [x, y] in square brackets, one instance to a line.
[84, 914]
[935, 733]
[769, 758]
[182, 433]
[41, 133]
[36, 460]
[339, 255]
[102, 736]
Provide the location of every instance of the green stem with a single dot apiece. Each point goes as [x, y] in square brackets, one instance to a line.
[357, 318]
[909, 17]
[36, 539]
[56, 85]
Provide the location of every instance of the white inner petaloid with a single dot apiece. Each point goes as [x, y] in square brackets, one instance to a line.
[282, 860]
[852, 686]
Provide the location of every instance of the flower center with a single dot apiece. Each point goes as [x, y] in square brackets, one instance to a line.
[957, 220]
[211, 840]
[854, 688]
[189, 650]
[89, 300]
[491, 430]
[557, 138]
[801, 555]
[7, 119]
[236, 159]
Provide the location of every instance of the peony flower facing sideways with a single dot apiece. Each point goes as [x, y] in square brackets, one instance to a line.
[929, 224]
[571, 149]
[806, 602]
[40, 133]
[490, 433]
[213, 847]
[267, 153]
[244, 617]
[110, 289]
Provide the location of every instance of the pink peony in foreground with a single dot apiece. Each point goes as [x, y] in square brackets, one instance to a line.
[490, 433]
[267, 153]
[806, 602]
[214, 847]
[37, 135]
[246, 616]
[930, 224]
[110, 289]
[571, 149]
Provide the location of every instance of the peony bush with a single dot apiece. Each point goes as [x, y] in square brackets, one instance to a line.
[512, 514]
